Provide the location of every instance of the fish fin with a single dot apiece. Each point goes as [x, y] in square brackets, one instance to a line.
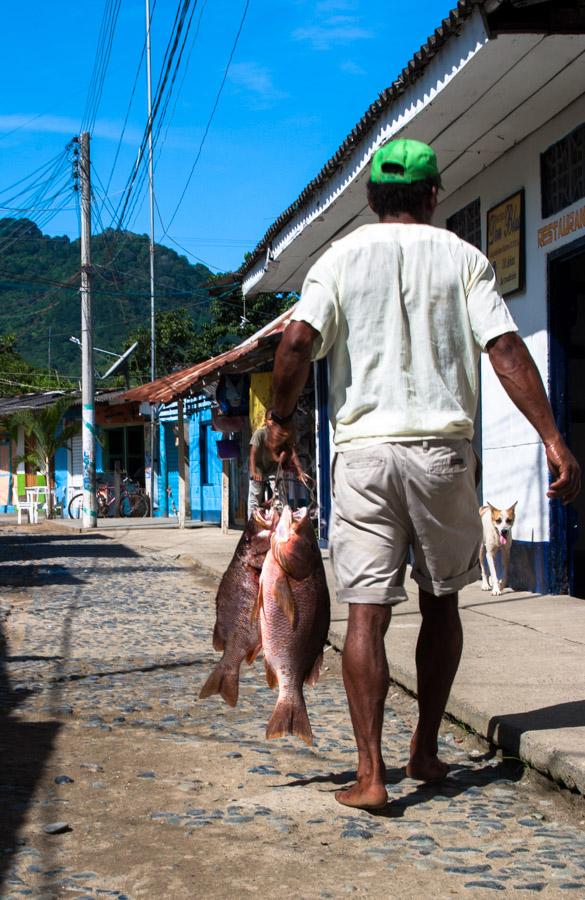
[290, 718]
[271, 678]
[284, 597]
[258, 603]
[253, 653]
[313, 676]
[218, 641]
[222, 682]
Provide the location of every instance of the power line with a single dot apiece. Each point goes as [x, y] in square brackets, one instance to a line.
[210, 120]
[101, 62]
[168, 66]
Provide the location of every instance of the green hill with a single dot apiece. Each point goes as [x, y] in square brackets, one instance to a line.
[39, 292]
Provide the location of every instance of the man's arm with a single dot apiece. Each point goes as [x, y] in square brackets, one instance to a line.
[292, 364]
[255, 475]
[521, 380]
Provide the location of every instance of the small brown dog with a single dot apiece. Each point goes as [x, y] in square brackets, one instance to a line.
[497, 538]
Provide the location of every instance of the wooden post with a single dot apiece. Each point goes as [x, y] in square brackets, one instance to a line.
[117, 485]
[225, 496]
[184, 480]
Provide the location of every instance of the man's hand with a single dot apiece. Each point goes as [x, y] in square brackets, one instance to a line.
[256, 476]
[566, 471]
[521, 380]
[280, 440]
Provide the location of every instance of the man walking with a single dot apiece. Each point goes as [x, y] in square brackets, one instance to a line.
[402, 310]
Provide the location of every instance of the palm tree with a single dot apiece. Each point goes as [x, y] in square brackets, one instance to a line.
[41, 427]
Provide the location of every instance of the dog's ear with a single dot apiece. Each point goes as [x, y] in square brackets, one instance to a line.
[513, 507]
[493, 508]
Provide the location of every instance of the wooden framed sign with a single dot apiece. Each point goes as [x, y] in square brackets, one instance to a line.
[505, 242]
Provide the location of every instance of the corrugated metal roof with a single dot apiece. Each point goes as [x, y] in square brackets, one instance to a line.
[254, 350]
[412, 72]
[42, 399]
[38, 400]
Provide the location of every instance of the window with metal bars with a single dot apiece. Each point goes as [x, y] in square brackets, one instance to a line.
[562, 172]
[466, 223]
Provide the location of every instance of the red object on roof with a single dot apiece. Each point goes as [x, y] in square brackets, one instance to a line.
[187, 381]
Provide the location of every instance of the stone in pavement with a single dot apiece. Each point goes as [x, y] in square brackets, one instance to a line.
[105, 661]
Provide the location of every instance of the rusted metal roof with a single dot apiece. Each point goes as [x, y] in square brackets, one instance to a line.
[33, 401]
[255, 350]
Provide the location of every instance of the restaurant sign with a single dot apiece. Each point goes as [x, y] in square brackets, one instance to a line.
[505, 242]
[565, 224]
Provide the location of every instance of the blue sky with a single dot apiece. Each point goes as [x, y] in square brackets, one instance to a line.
[302, 75]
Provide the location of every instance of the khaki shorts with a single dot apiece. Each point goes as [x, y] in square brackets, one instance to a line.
[390, 498]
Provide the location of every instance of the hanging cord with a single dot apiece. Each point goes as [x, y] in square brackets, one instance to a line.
[280, 498]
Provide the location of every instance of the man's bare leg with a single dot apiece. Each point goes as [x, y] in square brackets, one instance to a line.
[438, 652]
[366, 679]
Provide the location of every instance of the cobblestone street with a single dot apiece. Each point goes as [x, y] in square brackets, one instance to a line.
[153, 794]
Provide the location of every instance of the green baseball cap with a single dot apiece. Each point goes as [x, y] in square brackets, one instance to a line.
[404, 162]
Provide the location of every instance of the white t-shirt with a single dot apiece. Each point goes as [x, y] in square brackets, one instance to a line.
[403, 312]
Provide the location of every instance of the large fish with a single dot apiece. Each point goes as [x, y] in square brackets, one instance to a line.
[293, 609]
[236, 631]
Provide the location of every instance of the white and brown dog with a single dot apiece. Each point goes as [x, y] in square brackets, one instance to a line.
[497, 538]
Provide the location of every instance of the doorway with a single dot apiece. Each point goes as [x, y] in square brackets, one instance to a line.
[566, 280]
[125, 446]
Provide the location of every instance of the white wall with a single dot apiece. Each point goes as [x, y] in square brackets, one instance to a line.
[514, 462]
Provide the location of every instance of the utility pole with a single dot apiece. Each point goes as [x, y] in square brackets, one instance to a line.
[151, 255]
[89, 510]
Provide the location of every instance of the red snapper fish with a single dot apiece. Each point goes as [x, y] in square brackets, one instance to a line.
[293, 610]
[236, 632]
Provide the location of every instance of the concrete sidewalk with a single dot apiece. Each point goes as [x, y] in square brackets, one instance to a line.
[521, 683]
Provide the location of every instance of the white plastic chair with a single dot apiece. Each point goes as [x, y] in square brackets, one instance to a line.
[30, 507]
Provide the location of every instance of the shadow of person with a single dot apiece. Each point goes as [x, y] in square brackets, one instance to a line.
[24, 750]
[508, 728]
[460, 779]
[393, 776]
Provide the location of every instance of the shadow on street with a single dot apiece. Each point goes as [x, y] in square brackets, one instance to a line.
[24, 750]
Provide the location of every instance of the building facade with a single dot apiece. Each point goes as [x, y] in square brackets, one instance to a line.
[498, 91]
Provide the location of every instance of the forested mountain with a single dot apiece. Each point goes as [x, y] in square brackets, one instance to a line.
[39, 292]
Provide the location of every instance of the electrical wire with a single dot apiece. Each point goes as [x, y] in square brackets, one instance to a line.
[210, 120]
[167, 69]
[101, 62]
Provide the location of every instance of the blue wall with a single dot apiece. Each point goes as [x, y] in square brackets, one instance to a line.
[205, 472]
[61, 460]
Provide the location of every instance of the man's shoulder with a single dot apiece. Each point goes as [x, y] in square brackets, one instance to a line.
[259, 435]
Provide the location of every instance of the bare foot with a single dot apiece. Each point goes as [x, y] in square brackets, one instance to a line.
[363, 796]
[426, 768]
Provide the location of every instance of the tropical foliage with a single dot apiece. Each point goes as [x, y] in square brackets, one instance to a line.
[39, 292]
[180, 344]
[44, 434]
[19, 377]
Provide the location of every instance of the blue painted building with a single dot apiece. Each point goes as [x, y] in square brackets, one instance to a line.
[204, 463]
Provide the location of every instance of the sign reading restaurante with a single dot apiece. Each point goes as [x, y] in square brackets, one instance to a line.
[558, 228]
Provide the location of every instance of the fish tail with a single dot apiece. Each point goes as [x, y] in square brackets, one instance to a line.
[313, 676]
[222, 681]
[290, 717]
[218, 642]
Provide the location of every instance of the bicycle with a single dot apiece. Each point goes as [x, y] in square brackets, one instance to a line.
[133, 504]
